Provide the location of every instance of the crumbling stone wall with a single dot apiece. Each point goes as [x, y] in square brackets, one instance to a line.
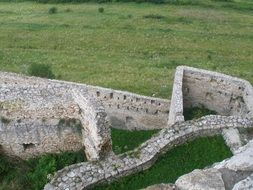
[31, 105]
[40, 116]
[132, 111]
[30, 138]
[125, 110]
[88, 174]
[218, 92]
[176, 106]
[96, 127]
[224, 94]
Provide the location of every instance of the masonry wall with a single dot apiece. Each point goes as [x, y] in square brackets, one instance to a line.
[215, 91]
[96, 128]
[125, 110]
[35, 109]
[177, 106]
[144, 156]
[41, 116]
[132, 111]
[29, 138]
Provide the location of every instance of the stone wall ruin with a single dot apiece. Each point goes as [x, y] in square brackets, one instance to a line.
[218, 92]
[44, 116]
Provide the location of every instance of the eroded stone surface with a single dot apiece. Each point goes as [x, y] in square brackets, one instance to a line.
[241, 161]
[232, 138]
[245, 184]
[162, 187]
[210, 179]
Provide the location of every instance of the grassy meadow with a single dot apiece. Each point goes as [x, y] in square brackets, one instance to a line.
[130, 46]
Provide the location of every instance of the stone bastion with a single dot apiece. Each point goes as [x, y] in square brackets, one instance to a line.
[41, 116]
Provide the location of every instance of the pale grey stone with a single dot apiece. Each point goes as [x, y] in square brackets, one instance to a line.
[246, 184]
[210, 179]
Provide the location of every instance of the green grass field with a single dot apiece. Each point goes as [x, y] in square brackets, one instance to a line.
[129, 46]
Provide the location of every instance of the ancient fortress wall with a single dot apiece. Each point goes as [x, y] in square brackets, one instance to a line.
[125, 110]
[132, 111]
[218, 92]
[224, 94]
[44, 116]
[96, 128]
[39, 116]
[87, 174]
[34, 137]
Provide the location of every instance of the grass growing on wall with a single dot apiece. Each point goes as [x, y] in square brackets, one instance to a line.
[123, 140]
[198, 153]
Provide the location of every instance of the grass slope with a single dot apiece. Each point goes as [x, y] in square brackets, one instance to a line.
[199, 153]
[129, 46]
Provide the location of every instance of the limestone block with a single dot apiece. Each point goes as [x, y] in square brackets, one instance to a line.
[210, 179]
[241, 161]
[161, 186]
[245, 184]
[232, 138]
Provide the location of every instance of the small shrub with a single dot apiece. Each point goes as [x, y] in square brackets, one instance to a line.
[68, 10]
[154, 16]
[101, 9]
[129, 16]
[5, 120]
[197, 112]
[52, 10]
[41, 70]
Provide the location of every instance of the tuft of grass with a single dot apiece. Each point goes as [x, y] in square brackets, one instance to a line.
[41, 70]
[101, 9]
[68, 10]
[5, 120]
[154, 16]
[198, 153]
[52, 10]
